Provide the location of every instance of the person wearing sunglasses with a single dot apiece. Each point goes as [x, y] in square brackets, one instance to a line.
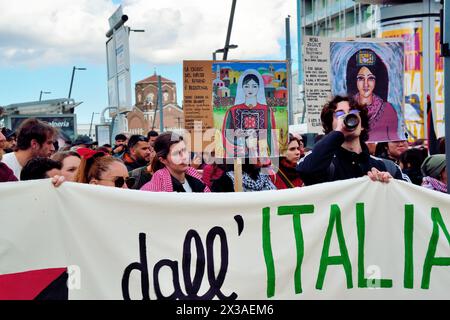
[101, 169]
[342, 152]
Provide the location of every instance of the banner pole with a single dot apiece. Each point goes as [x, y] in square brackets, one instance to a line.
[445, 52]
[238, 175]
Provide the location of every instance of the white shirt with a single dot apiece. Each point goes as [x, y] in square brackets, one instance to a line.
[186, 186]
[11, 161]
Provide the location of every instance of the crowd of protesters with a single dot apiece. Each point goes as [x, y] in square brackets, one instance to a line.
[162, 163]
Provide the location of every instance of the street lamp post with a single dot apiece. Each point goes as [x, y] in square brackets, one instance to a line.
[230, 25]
[92, 119]
[43, 92]
[135, 30]
[223, 50]
[71, 81]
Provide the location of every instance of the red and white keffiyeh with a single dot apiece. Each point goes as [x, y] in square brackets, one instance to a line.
[162, 180]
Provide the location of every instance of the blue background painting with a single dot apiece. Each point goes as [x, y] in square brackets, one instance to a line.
[392, 54]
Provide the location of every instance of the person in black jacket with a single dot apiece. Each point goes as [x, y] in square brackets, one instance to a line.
[139, 152]
[342, 152]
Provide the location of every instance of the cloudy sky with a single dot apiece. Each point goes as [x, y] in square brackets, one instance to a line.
[41, 41]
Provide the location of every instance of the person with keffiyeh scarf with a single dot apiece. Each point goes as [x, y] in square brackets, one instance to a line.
[170, 165]
[435, 173]
[253, 179]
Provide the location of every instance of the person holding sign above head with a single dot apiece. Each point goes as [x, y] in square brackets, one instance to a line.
[368, 83]
[247, 126]
[342, 152]
[171, 167]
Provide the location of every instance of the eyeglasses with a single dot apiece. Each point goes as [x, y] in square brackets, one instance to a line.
[119, 181]
[341, 113]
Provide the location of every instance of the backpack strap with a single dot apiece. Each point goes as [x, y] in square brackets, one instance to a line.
[285, 179]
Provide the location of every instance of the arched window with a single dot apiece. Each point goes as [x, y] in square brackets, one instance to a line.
[149, 98]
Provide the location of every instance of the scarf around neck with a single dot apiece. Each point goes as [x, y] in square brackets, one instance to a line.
[262, 183]
[375, 109]
[434, 184]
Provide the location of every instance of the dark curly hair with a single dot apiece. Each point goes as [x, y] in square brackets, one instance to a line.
[327, 115]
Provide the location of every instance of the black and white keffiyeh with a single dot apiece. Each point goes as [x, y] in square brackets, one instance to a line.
[248, 184]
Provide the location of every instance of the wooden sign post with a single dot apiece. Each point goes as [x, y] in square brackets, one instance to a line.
[238, 175]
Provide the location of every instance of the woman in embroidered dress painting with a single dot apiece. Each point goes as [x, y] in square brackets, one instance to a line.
[247, 126]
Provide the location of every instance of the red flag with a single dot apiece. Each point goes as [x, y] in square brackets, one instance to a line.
[44, 284]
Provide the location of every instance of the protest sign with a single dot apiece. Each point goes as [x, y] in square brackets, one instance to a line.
[244, 101]
[197, 102]
[316, 63]
[367, 70]
[250, 108]
[411, 32]
[438, 82]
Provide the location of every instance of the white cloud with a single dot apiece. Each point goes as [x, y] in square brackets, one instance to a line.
[48, 32]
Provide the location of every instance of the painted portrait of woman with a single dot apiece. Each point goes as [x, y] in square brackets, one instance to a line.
[368, 82]
[248, 124]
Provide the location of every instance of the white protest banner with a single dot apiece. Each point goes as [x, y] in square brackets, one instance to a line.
[370, 71]
[353, 239]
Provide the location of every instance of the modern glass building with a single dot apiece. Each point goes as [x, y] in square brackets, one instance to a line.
[333, 19]
[339, 18]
